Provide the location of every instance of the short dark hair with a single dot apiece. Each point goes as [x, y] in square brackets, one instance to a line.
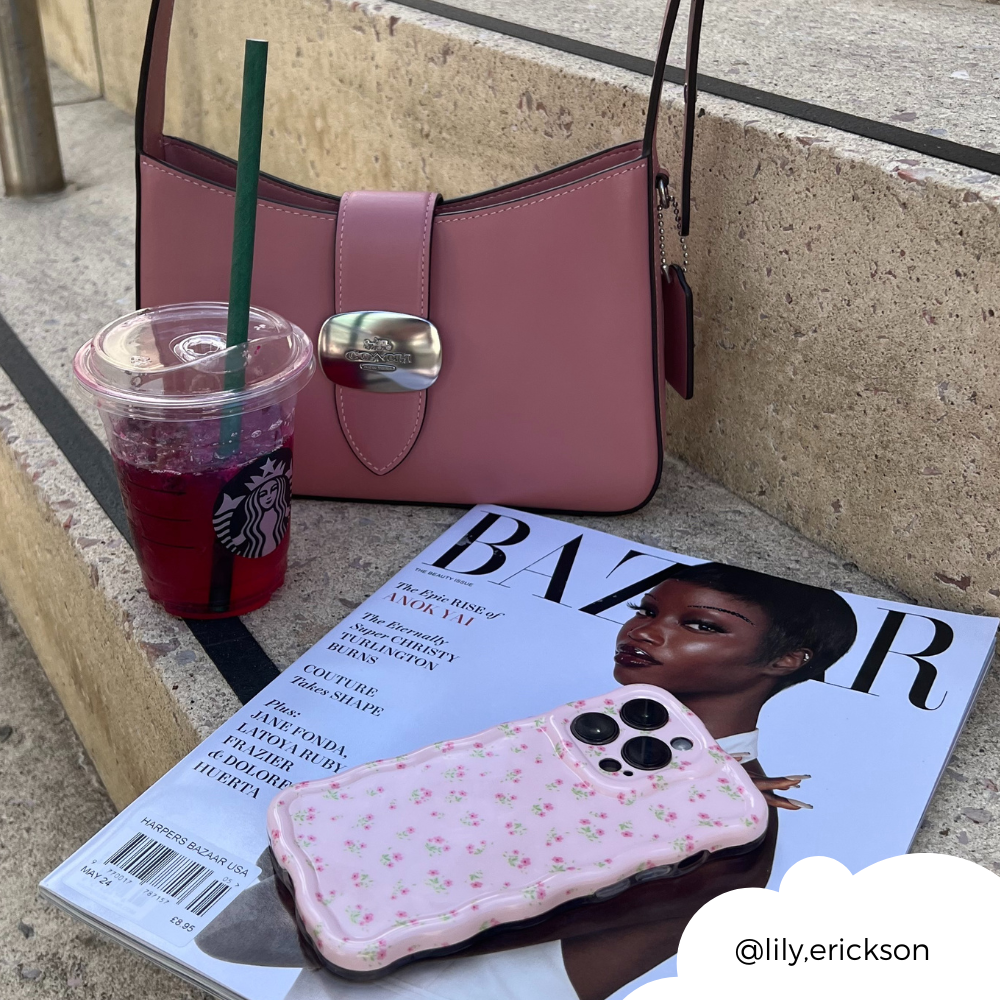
[801, 616]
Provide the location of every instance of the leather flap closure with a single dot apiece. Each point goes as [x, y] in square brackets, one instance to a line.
[382, 263]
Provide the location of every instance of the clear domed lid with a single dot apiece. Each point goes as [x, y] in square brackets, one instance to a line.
[173, 360]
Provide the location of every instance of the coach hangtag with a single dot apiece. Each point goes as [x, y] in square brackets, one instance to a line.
[678, 330]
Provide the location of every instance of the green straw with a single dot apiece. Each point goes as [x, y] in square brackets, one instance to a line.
[244, 229]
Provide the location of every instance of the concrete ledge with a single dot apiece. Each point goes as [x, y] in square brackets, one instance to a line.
[134, 682]
[141, 693]
[52, 803]
[847, 293]
[136, 686]
[860, 409]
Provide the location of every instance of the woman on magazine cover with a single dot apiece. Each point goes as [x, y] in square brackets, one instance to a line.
[721, 639]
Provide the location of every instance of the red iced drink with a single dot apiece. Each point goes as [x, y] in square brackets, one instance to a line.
[205, 472]
[171, 517]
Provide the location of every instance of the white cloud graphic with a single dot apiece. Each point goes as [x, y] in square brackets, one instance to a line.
[917, 926]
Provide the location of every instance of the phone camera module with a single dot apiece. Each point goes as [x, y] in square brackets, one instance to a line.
[681, 743]
[595, 728]
[643, 713]
[646, 753]
[610, 764]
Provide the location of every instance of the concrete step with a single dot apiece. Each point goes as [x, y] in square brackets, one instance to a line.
[53, 802]
[847, 292]
[135, 683]
[847, 295]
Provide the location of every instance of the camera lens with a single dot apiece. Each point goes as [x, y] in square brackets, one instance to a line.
[643, 713]
[610, 764]
[594, 728]
[681, 743]
[646, 753]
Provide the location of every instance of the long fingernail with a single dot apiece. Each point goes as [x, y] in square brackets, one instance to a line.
[798, 777]
[801, 805]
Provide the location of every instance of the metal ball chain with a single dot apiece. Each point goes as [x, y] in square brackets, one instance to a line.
[665, 198]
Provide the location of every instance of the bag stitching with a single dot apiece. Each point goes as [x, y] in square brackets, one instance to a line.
[341, 237]
[540, 181]
[215, 158]
[230, 194]
[437, 222]
[538, 201]
[344, 420]
[428, 215]
[430, 200]
[379, 470]
[471, 202]
[341, 217]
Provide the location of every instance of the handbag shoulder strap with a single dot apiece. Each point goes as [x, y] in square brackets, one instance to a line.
[153, 78]
[690, 97]
[149, 105]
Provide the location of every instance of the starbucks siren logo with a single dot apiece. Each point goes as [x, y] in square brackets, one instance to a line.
[252, 511]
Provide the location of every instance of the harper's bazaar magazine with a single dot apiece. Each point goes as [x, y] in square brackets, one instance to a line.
[507, 616]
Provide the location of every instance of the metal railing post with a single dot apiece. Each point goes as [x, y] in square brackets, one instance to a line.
[29, 149]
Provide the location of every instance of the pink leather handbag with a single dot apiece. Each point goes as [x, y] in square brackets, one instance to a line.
[507, 347]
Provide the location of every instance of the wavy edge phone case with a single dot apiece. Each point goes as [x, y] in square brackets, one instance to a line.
[423, 854]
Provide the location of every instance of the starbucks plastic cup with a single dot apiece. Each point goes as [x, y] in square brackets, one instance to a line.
[205, 469]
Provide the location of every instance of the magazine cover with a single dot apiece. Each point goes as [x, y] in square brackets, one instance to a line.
[509, 616]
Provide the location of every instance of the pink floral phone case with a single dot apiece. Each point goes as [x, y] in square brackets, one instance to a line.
[423, 854]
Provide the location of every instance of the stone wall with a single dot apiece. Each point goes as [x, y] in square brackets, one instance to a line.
[847, 294]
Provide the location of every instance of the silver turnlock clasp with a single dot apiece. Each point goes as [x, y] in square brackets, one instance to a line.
[380, 351]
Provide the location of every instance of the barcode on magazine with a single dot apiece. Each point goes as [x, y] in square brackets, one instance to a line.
[163, 888]
[162, 868]
[207, 898]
